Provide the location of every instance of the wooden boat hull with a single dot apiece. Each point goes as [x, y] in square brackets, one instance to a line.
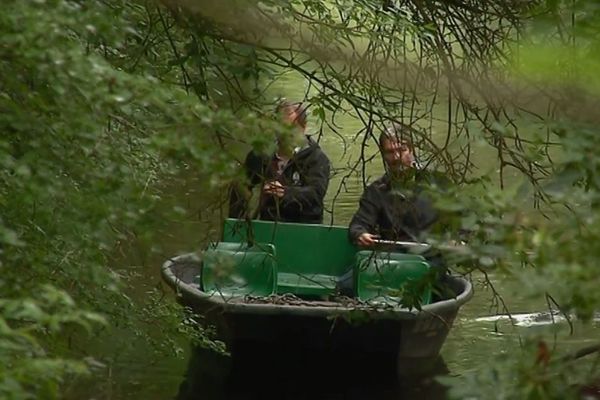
[413, 337]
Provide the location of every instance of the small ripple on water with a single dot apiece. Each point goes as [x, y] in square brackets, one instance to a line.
[531, 319]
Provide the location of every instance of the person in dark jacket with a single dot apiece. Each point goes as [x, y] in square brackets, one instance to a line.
[395, 206]
[293, 180]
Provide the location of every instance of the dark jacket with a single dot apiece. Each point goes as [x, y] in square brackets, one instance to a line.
[305, 177]
[401, 213]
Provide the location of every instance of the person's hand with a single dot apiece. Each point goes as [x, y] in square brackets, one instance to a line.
[367, 239]
[274, 188]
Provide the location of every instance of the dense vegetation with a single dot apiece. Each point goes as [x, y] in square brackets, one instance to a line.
[105, 104]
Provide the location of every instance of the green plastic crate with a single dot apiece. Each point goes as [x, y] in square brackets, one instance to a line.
[235, 269]
[384, 276]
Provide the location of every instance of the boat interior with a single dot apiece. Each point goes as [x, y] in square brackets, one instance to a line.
[309, 261]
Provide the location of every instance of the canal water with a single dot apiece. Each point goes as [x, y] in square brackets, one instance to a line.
[129, 369]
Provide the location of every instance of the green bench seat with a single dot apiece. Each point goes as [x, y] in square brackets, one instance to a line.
[310, 257]
[267, 257]
[311, 285]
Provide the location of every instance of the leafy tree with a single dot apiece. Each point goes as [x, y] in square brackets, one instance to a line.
[104, 104]
[95, 117]
[512, 86]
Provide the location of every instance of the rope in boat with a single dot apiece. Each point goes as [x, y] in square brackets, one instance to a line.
[293, 300]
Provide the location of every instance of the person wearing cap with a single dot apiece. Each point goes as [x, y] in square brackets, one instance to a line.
[395, 206]
[293, 180]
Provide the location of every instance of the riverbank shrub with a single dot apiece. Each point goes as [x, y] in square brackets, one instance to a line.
[105, 104]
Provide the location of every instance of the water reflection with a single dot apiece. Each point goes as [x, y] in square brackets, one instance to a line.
[301, 374]
[533, 319]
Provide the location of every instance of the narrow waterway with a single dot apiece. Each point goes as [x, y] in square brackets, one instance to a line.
[132, 371]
